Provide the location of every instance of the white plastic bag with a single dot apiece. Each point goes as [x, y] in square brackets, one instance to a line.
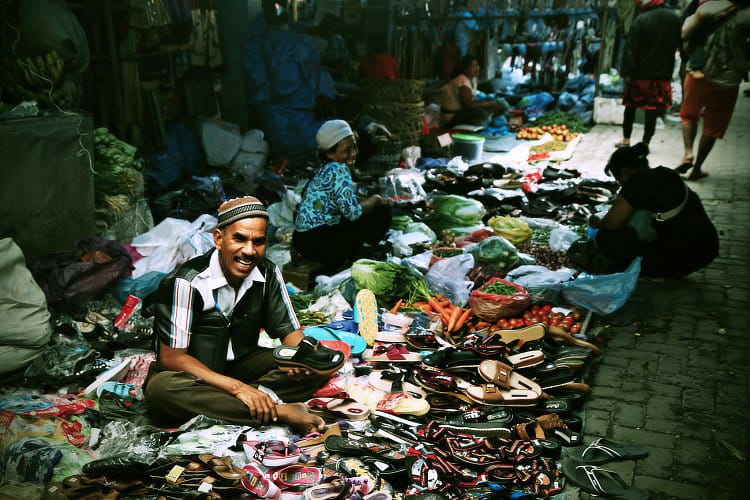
[561, 237]
[542, 284]
[221, 141]
[280, 254]
[448, 276]
[173, 242]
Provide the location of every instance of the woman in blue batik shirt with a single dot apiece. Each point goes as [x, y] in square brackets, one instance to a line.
[331, 224]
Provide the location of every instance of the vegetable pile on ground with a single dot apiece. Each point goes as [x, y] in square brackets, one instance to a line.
[558, 132]
[560, 118]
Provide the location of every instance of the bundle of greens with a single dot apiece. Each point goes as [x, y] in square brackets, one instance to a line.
[389, 282]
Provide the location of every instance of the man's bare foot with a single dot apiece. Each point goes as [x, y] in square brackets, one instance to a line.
[301, 420]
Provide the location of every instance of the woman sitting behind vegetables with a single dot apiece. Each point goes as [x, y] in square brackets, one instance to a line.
[331, 224]
[655, 215]
[458, 103]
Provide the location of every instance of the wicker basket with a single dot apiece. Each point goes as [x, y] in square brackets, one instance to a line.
[378, 91]
[494, 307]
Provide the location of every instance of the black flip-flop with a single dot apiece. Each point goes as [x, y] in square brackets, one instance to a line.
[605, 450]
[684, 167]
[309, 355]
[603, 482]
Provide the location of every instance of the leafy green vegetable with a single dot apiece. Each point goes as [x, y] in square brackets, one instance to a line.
[497, 251]
[400, 222]
[556, 117]
[500, 289]
[454, 211]
[382, 278]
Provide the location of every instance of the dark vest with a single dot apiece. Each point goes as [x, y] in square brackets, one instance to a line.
[211, 330]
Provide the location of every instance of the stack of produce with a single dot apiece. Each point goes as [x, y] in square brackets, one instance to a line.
[118, 182]
[511, 228]
[398, 105]
[558, 132]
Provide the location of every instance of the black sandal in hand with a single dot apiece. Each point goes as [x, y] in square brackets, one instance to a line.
[309, 355]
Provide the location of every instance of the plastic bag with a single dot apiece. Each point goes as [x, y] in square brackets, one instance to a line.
[561, 237]
[173, 242]
[473, 238]
[490, 307]
[70, 279]
[221, 141]
[604, 293]
[280, 254]
[542, 284]
[421, 227]
[495, 250]
[326, 284]
[448, 276]
[403, 186]
[281, 213]
[140, 287]
[121, 437]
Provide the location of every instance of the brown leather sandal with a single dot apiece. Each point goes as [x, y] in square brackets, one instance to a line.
[550, 422]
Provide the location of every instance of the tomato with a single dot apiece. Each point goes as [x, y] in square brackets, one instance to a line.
[576, 315]
[547, 308]
[536, 309]
[554, 321]
[576, 328]
[567, 319]
[537, 319]
[528, 315]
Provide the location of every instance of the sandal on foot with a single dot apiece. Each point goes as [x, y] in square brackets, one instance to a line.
[603, 482]
[366, 312]
[684, 167]
[605, 450]
[308, 355]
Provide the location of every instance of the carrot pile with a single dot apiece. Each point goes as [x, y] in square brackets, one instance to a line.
[454, 317]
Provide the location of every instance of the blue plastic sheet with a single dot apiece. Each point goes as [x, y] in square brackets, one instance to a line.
[604, 293]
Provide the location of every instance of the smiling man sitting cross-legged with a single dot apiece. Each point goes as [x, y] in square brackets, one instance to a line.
[209, 313]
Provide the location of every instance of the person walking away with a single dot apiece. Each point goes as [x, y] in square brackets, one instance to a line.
[726, 65]
[647, 66]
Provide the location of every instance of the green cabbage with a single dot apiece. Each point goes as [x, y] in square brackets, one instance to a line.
[382, 278]
[399, 222]
[454, 211]
[497, 251]
[389, 282]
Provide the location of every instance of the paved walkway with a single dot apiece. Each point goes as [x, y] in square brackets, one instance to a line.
[676, 378]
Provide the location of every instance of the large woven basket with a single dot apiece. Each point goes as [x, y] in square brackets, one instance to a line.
[378, 91]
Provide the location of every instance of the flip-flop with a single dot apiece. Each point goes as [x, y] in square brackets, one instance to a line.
[310, 356]
[334, 488]
[391, 353]
[257, 483]
[603, 482]
[357, 343]
[493, 395]
[605, 450]
[296, 476]
[347, 408]
[222, 466]
[696, 177]
[363, 448]
[317, 438]
[366, 312]
[684, 167]
[528, 334]
[393, 381]
[402, 404]
[274, 453]
[504, 376]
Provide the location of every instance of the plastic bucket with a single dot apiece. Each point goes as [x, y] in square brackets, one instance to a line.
[468, 146]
